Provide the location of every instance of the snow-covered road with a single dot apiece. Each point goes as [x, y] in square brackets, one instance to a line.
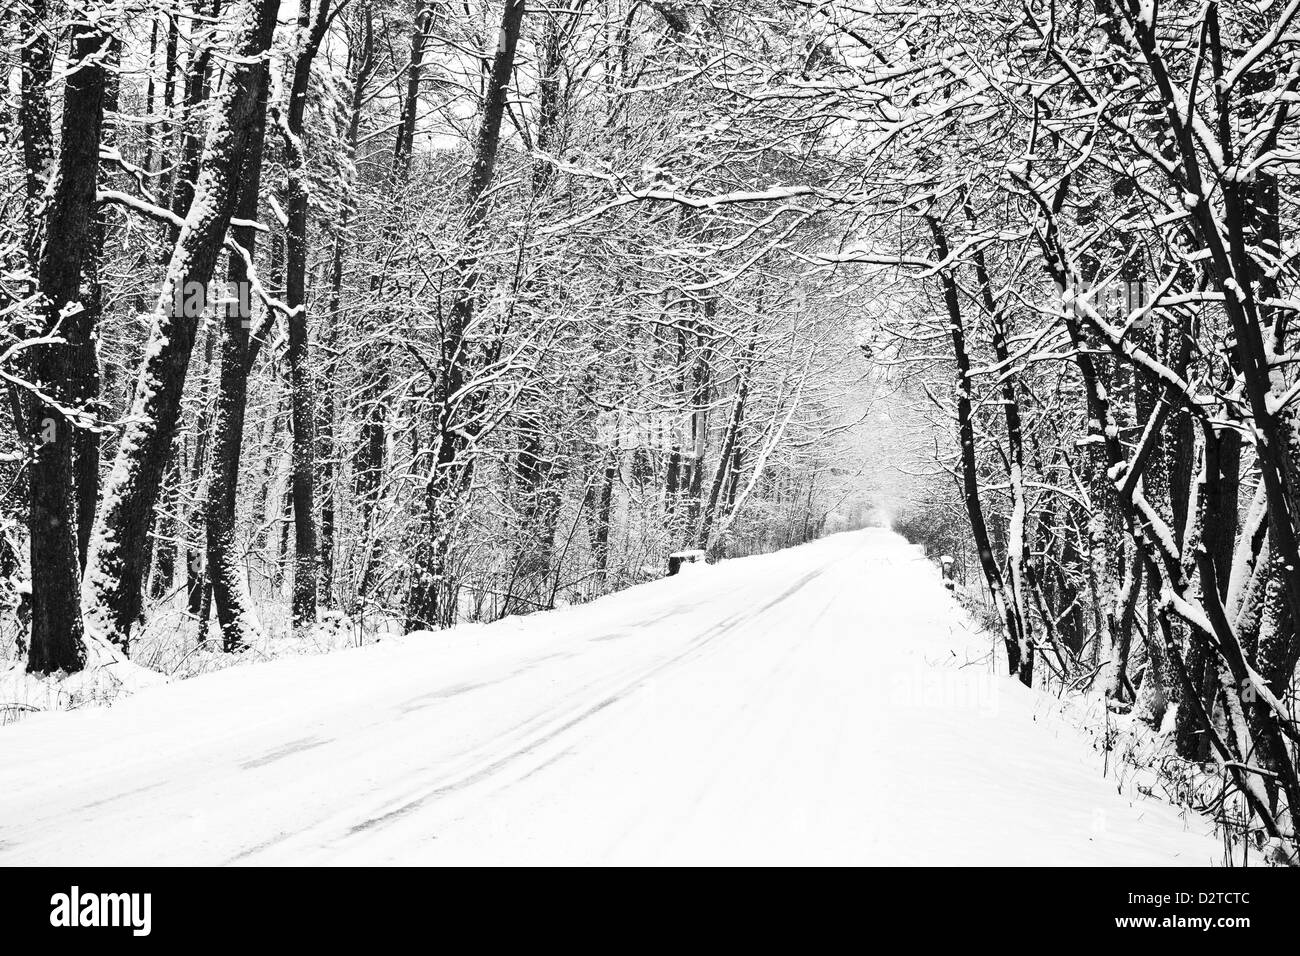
[811, 706]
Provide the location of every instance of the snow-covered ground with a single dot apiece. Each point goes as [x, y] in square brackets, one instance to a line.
[826, 704]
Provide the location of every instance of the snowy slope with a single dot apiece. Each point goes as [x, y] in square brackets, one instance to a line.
[809, 706]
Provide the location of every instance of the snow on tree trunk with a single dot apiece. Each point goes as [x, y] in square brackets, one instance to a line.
[311, 29]
[1020, 658]
[236, 615]
[63, 381]
[111, 587]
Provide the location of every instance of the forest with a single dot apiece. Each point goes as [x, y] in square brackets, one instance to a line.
[333, 319]
[393, 314]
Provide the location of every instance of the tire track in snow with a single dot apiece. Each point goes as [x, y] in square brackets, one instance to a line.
[397, 810]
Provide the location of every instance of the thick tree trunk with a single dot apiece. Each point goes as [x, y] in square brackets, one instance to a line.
[189, 129]
[58, 368]
[302, 400]
[86, 450]
[235, 613]
[111, 596]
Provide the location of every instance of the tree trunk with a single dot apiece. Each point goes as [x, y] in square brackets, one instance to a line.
[112, 585]
[452, 469]
[86, 450]
[302, 401]
[57, 367]
[1016, 534]
[1019, 655]
[726, 460]
[196, 572]
[368, 461]
[235, 613]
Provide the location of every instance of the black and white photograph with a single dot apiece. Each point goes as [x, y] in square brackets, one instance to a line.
[651, 433]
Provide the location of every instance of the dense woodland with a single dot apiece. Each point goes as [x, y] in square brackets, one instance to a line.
[393, 313]
[508, 301]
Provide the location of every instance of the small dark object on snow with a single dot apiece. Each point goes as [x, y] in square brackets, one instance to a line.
[678, 558]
